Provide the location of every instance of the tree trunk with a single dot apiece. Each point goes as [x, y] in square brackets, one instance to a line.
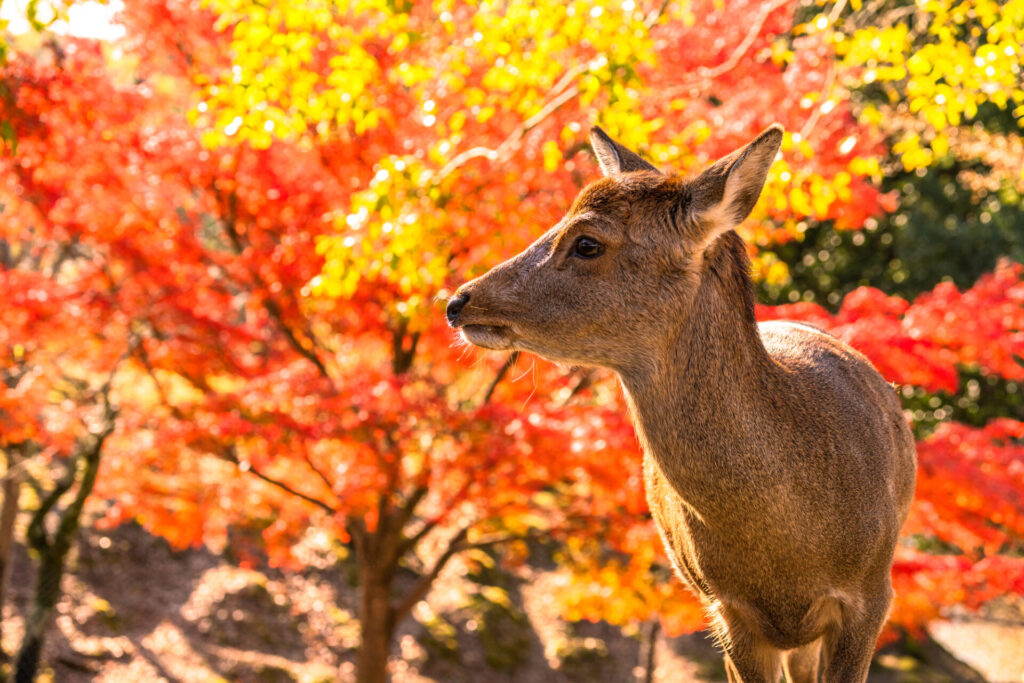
[648, 647]
[53, 552]
[376, 626]
[47, 593]
[8, 512]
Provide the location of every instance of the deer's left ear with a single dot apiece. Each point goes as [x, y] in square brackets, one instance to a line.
[613, 157]
[725, 194]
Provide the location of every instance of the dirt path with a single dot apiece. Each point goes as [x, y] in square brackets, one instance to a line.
[134, 610]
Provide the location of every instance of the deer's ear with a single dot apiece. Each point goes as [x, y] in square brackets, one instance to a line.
[725, 194]
[613, 157]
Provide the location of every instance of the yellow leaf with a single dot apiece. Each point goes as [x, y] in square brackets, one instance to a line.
[485, 114]
[552, 156]
[800, 202]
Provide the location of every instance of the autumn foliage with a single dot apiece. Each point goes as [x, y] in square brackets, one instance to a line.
[248, 219]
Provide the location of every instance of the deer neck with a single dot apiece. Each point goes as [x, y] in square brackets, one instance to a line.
[695, 403]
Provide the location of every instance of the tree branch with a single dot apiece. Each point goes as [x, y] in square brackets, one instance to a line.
[402, 355]
[531, 535]
[816, 113]
[708, 73]
[422, 586]
[410, 542]
[275, 312]
[407, 510]
[734, 59]
[585, 380]
[36, 532]
[502, 371]
[563, 93]
[285, 487]
[320, 473]
[429, 525]
[230, 455]
[89, 452]
[455, 546]
[230, 221]
[826, 89]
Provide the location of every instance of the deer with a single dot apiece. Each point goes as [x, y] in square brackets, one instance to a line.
[778, 465]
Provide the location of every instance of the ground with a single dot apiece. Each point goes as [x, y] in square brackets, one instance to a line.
[134, 610]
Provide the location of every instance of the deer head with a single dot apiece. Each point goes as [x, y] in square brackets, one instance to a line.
[615, 278]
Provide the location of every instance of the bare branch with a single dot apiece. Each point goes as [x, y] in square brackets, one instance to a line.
[230, 222]
[826, 93]
[585, 380]
[422, 586]
[429, 525]
[709, 73]
[320, 473]
[230, 455]
[502, 371]
[562, 94]
[456, 545]
[407, 510]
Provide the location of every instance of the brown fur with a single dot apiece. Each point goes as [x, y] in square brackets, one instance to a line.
[778, 465]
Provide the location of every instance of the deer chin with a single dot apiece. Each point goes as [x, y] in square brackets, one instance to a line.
[494, 337]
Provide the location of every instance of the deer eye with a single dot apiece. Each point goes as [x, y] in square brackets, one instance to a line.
[587, 247]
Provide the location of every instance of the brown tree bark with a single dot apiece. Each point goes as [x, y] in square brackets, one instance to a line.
[8, 512]
[53, 551]
[377, 626]
[52, 548]
[648, 648]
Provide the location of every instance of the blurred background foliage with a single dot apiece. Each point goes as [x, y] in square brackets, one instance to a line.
[229, 229]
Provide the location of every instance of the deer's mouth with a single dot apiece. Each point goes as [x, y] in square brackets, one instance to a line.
[494, 337]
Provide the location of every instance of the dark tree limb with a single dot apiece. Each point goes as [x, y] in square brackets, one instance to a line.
[500, 375]
[648, 648]
[231, 456]
[456, 545]
[407, 510]
[319, 472]
[230, 222]
[53, 548]
[422, 586]
[410, 542]
[402, 352]
[11, 486]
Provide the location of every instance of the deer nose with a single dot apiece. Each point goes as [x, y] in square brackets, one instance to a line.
[455, 306]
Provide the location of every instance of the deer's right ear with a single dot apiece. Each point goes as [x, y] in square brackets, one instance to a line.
[725, 194]
[613, 157]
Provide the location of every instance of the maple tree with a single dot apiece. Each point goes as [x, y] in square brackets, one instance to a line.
[253, 221]
[233, 410]
[439, 185]
[63, 331]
